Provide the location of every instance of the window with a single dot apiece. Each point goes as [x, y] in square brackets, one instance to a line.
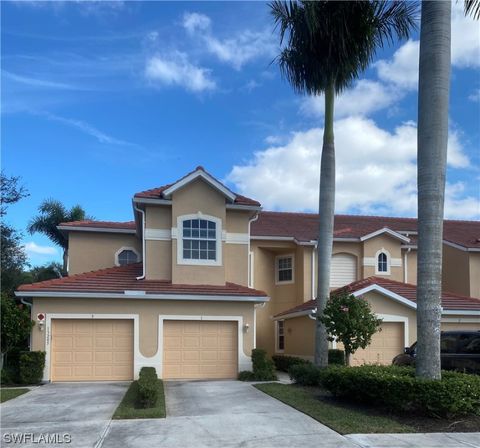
[126, 256]
[382, 262]
[284, 268]
[199, 239]
[280, 335]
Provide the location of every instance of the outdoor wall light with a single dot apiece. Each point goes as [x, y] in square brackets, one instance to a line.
[246, 327]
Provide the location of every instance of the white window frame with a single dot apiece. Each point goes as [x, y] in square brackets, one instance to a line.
[389, 262]
[277, 336]
[119, 251]
[218, 246]
[284, 282]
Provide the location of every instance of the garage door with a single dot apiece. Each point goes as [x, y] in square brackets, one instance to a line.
[343, 270]
[385, 345]
[199, 349]
[92, 350]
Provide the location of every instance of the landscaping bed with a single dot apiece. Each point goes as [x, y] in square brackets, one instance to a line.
[347, 417]
[9, 394]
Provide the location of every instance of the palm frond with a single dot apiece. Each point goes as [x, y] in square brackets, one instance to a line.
[472, 8]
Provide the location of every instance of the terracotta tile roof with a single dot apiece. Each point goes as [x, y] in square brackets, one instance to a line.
[127, 225]
[450, 301]
[157, 193]
[304, 227]
[123, 278]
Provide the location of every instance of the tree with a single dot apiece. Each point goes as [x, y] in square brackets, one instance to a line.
[52, 213]
[472, 7]
[433, 97]
[351, 321]
[329, 44]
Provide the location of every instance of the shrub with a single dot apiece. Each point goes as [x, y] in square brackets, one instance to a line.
[147, 387]
[398, 389]
[283, 363]
[31, 365]
[263, 368]
[336, 357]
[306, 374]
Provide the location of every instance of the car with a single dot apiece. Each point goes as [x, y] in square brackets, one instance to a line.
[459, 350]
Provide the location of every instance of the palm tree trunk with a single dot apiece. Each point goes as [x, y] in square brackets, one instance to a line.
[325, 231]
[433, 93]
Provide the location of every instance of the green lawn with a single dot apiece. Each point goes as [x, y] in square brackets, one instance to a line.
[127, 408]
[339, 418]
[8, 394]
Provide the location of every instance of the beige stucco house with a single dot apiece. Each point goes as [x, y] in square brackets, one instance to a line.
[202, 275]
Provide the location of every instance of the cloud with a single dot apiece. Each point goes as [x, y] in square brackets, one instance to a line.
[365, 97]
[475, 96]
[235, 51]
[86, 128]
[35, 82]
[176, 70]
[376, 171]
[35, 249]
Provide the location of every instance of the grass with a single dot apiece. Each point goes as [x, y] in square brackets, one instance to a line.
[9, 394]
[128, 408]
[339, 418]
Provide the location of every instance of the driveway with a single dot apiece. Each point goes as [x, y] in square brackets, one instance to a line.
[82, 410]
[221, 414]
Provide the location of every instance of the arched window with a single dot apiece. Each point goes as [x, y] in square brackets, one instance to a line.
[382, 263]
[126, 255]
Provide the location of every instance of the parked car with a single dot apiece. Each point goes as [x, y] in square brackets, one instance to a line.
[459, 350]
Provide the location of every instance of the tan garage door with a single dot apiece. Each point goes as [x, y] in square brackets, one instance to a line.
[452, 326]
[385, 345]
[92, 350]
[199, 349]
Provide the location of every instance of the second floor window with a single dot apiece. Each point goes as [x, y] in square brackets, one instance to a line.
[382, 262]
[199, 239]
[284, 269]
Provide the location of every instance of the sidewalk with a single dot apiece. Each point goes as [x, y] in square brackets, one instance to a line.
[418, 440]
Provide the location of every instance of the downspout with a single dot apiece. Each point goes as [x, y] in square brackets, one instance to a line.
[24, 302]
[143, 241]
[313, 270]
[405, 265]
[249, 267]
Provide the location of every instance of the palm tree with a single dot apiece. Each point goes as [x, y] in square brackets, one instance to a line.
[328, 45]
[52, 213]
[472, 7]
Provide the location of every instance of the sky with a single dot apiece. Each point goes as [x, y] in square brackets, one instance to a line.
[104, 99]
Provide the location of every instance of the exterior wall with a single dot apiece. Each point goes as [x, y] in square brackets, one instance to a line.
[90, 251]
[456, 270]
[148, 312]
[474, 258]
[300, 337]
[393, 246]
[158, 264]
[467, 323]
[411, 266]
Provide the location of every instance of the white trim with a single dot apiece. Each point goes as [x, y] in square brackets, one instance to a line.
[119, 251]
[277, 258]
[251, 269]
[277, 335]
[458, 246]
[314, 256]
[96, 229]
[462, 312]
[206, 177]
[460, 320]
[387, 293]
[395, 318]
[244, 361]
[253, 208]
[158, 234]
[135, 295]
[296, 314]
[236, 238]
[152, 201]
[284, 238]
[389, 261]
[387, 231]
[219, 235]
[138, 359]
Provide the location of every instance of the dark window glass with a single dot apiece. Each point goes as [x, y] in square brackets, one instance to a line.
[382, 262]
[199, 239]
[281, 334]
[284, 269]
[127, 257]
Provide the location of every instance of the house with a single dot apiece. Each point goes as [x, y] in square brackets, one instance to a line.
[202, 275]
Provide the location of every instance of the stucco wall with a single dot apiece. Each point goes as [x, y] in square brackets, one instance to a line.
[392, 245]
[456, 270]
[89, 251]
[474, 258]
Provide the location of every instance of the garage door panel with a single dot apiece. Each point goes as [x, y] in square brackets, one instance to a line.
[92, 350]
[213, 354]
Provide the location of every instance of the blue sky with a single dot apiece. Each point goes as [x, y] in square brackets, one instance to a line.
[103, 99]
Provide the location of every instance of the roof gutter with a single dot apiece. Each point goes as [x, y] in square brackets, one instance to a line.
[141, 277]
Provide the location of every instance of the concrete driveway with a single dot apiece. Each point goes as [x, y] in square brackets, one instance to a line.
[221, 414]
[82, 410]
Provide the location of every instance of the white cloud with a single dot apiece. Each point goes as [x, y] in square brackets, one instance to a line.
[35, 249]
[376, 171]
[177, 70]
[475, 96]
[236, 51]
[365, 97]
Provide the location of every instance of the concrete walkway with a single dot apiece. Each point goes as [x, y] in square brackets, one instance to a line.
[221, 414]
[433, 440]
[80, 410]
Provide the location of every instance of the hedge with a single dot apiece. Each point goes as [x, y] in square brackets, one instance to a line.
[398, 389]
[147, 387]
[305, 374]
[336, 357]
[283, 363]
[31, 365]
[262, 366]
